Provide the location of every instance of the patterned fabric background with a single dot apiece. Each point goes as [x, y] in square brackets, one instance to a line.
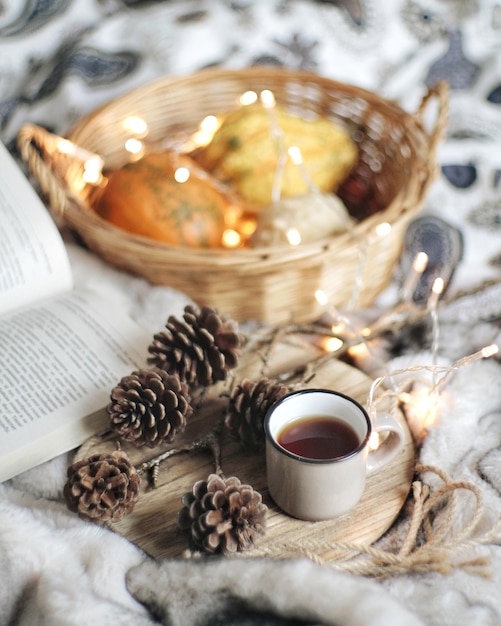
[60, 59]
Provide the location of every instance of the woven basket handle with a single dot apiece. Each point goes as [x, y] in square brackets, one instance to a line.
[440, 93]
[34, 142]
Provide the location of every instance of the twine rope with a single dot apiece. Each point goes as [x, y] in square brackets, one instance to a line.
[434, 541]
[427, 547]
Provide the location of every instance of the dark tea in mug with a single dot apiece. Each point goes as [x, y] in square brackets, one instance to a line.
[319, 437]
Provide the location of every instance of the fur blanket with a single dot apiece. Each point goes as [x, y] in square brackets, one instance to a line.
[62, 58]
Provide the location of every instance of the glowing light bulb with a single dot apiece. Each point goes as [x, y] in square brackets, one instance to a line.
[295, 154]
[358, 351]
[92, 163]
[436, 291]
[209, 124]
[136, 125]
[321, 297]
[421, 409]
[438, 285]
[231, 239]
[201, 138]
[420, 262]
[134, 146]
[338, 328]
[68, 147]
[92, 173]
[374, 440]
[249, 97]
[293, 237]
[418, 267]
[267, 98]
[91, 177]
[383, 229]
[489, 351]
[65, 146]
[247, 226]
[484, 353]
[182, 174]
[331, 344]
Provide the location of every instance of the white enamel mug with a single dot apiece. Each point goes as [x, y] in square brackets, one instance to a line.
[312, 488]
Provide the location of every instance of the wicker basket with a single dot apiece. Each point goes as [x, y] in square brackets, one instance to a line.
[273, 284]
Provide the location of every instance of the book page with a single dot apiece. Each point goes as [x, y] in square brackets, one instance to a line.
[59, 363]
[33, 260]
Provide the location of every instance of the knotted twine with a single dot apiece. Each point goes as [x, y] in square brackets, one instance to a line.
[428, 546]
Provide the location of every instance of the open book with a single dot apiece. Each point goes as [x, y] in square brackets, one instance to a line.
[61, 352]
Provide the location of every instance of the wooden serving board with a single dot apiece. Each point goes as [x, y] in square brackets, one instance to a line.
[152, 524]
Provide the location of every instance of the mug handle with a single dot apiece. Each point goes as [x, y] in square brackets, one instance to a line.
[391, 446]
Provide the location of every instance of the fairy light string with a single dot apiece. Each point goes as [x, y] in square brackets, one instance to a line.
[424, 398]
[432, 306]
[412, 555]
[297, 158]
[93, 165]
[418, 267]
[429, 406]
[268, 101]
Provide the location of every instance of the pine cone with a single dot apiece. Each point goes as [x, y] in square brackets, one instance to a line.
[149, 407]
[222, 515]
[200, 348]
[102, 488]
[249, 402]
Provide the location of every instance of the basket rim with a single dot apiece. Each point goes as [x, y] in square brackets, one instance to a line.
[204, 75]
[77, 208]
